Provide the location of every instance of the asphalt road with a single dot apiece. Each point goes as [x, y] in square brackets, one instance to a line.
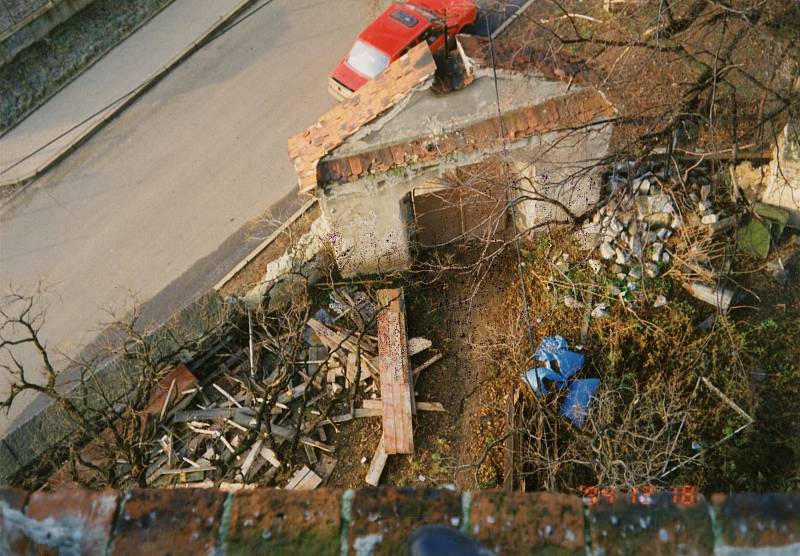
[145, 207]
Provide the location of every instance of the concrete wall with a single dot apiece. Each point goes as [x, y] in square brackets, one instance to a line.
[560, 166]
[783, 188]
[37, 26]
[370, 224]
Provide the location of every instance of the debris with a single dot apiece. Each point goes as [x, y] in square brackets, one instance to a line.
[576, 404]
[572, 303]
[418, 345]
[719, 297]
[304, 479]
[377, 464]
[710, 219]
[600, 311]
[660, 301]
[554, 349]
[648, 205]
[606, 250]
[595, 265]
[778, 270]
[535, 378]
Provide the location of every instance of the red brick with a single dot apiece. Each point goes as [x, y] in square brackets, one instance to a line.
[398, 154]
[527, 522]
[184, 521]
[386, 159]
[355, 165]
[184, 379]
[758, 520]
[292, 522]
[653, 525]
[393, 513]
[79, 519]
[15, 498]
[345, 168]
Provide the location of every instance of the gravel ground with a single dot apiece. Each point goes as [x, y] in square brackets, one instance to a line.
[42, 69]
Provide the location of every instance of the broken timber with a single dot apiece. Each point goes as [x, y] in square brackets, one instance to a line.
[395, 373]
[377, 464]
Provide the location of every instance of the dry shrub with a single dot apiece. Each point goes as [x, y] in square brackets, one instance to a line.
[650, 407]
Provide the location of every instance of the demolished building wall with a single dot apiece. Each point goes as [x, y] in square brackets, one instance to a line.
[783, 187]
[534, 111]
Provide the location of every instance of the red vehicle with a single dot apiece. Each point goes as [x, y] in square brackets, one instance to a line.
[402, 26]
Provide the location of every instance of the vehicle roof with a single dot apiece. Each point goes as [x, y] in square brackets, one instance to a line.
[390, 35]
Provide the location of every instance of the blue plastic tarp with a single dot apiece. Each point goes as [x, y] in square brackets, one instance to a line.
[542, 374]
[549, 347]
[576, 404]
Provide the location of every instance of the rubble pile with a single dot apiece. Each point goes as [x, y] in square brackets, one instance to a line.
[257, 419]
[638, 233]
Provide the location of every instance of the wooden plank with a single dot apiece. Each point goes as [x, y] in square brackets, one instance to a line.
[361, 412]
[370, 406]
[298, 476]
[377, 464]
[425, 365]
[325, 467]
[162, 396]
[304, 479]
[308, 441]
[395, 373]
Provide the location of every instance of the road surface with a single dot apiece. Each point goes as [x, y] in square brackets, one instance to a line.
[176, 175]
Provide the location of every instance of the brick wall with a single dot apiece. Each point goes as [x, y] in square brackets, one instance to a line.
[378, 521]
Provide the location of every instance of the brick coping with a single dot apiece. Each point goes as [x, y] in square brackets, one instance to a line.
[379, 520]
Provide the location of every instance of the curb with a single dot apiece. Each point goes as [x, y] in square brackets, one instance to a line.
[308, 205]
[132, 97]
[512, 18]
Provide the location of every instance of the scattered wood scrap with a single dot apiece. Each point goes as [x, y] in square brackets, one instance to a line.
[377, 464]
[212, 427]
[304, 479]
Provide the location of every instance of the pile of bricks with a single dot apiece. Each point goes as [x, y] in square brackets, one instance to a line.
[378, 521]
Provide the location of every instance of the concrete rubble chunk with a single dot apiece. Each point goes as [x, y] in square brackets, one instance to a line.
[647, 205]
[719, 297]
[600, 311]
[572, 303]
[658, 249]
[606, 250]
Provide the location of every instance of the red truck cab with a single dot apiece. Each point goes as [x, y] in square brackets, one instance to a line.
[400, 27]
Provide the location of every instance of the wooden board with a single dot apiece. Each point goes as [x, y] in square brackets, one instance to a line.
[395, 373]
[304, 479]
[377, 464]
